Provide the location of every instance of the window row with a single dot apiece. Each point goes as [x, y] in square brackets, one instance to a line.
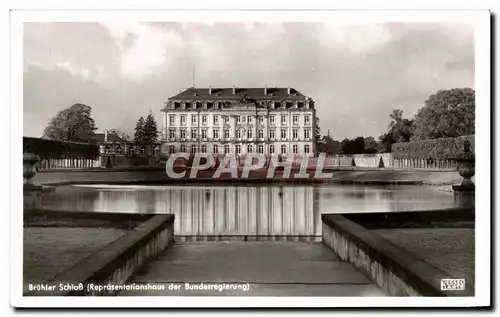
[226, 149]
[220, 104]
[239, 119]
[239, 134]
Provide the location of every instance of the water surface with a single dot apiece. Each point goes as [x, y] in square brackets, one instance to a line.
[257, 210]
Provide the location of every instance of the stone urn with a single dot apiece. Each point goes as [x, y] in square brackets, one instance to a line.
[29, 168]
[466, 167]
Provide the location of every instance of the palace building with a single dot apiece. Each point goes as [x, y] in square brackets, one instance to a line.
[239, 121]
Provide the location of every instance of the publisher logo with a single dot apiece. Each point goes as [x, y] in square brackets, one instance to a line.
[453, 284]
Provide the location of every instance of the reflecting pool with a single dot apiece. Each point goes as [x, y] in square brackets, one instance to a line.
[257, 210]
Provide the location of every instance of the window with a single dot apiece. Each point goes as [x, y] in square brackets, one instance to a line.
[204, 133]
[238, 134]
[261, 119]
[271, 149]
[307, 133]
[306, 148]
[249, 148]
[216, 133]
[183, 134]
[203, 148]
[183, 148]
[194, 134]
[261, 148]
[271, 119]
[193, 148]
[193, 119]
[216, 105]
[216, 119]
[183, 120]
[283, 119]
[249, 134]
[172, 119]
[261, 134]
[238, 119]
[307, 119]
[272, 133]
[226, 148]
[295, 133]
[171, 149]
[226, 119]
[295, 148]
[249, 119]
[283, 148]
[204, 119]
[295, 119]
[283, 133]
[171, 133]
[216, 149]
[226, 133]
[131, 150]
[238, 149]
[118, 150]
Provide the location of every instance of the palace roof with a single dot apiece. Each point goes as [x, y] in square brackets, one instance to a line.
[270, 93]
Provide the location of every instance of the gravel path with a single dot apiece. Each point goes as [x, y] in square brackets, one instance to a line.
[450, 249]
[49, 251]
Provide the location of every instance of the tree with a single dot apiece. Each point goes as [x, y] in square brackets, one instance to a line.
[150, 130]
[317, 132]
[328, 145]
[446, 114]
[72, 124]
[398, 130]
[371, 146]
[354, 146]
[139, 136]
[385, 142]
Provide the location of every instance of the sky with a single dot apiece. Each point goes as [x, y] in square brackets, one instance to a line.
[356, 74]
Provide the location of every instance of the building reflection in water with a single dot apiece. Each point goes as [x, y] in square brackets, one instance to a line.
[245, 210]
[263, 210]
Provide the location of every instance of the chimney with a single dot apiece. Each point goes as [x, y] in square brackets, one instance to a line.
[265, 90]
[106, 135]
[288, 90]
[234, 90]
[209, 90]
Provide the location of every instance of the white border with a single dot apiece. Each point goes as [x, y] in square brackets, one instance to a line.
[481, 20]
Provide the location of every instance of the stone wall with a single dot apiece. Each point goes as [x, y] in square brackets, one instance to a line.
[118, 261]
[394, 269]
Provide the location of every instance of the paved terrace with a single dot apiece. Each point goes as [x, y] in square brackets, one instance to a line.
[272, 268]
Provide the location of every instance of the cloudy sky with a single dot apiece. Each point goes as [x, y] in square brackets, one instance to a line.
[356, 73]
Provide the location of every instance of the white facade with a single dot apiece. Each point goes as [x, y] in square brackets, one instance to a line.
[238, 127]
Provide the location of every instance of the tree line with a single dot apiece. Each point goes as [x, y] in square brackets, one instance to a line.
[76, 124]
[446, 114]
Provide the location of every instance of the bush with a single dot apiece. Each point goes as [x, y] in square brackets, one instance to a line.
[59, 150]
[443, 148]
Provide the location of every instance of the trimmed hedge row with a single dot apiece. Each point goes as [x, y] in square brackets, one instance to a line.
[443, 148]
[59, 150]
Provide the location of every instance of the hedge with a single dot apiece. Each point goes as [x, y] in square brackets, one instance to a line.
[443, 148]
[59, 150]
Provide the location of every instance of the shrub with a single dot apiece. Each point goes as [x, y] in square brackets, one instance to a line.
[443, 148]
[59, 150]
